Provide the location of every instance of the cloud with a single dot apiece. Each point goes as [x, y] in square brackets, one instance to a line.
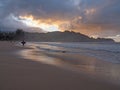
[90, 17]
[116, 38]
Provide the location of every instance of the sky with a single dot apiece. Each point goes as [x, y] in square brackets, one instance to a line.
[95, 18]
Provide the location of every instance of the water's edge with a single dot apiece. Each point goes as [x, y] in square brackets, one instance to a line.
[72, 58]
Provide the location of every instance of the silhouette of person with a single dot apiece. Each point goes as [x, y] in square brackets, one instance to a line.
[23, 42]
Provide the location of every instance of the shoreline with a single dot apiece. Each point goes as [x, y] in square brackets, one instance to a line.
[23, 74]
[84, 64]
[91, 66]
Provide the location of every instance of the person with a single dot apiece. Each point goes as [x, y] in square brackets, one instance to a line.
[23, 42]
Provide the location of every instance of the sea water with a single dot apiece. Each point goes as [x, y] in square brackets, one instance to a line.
[103, 51]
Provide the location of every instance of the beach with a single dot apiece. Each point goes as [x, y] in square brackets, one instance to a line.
[19, 73]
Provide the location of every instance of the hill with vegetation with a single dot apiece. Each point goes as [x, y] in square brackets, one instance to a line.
[66, 36]
[57, 36]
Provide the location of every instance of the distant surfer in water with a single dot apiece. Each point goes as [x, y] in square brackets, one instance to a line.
[23, 42]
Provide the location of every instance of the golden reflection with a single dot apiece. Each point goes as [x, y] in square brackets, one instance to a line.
[76, 62]
[32, 55]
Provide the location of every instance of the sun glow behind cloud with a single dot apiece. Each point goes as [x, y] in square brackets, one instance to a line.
[31, 22]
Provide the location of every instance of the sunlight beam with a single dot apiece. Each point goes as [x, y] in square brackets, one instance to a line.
[31, 22]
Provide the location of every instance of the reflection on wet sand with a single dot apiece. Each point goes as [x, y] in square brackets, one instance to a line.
[74, 62]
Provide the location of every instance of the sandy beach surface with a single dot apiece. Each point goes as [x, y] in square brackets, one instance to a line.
[23, 74]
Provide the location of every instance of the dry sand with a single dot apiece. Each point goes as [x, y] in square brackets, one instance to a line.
[21, 74]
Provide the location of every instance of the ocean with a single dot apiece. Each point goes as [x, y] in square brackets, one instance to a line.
[103, 51]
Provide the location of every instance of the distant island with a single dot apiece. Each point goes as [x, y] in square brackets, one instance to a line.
[66, 36]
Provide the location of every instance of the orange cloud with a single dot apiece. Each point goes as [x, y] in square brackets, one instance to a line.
[46, 25]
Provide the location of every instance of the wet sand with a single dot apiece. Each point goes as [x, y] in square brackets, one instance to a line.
[22, 74]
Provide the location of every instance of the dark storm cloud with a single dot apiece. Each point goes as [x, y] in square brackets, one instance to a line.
[40, 8]
[108, 12]
[94, 15]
